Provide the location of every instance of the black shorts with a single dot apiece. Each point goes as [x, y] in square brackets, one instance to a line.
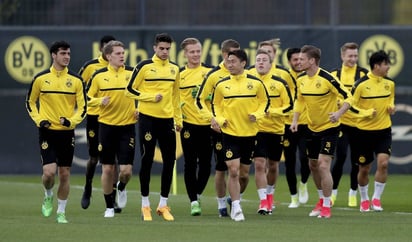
[239, 147]
[92, 129]
[218, 152]
[117, 143]
[323, 142]
[56, 146]
[369, 143]
[269, 145]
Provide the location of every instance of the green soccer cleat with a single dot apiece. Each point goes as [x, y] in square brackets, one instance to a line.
[195, 209]
[61, 218]
[47, 206]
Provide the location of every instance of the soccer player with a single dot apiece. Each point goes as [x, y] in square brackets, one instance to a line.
[60, 96]
[155, 84]
[202, 98]
[269, 139]
[318, 92]
[374, 102]
[196, 133]
[92, 127]
[348, 73]
[294, 141]
[271, 47]
[117, 118]
[238, 101]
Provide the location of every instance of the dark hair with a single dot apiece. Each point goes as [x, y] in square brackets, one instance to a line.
[163, 37]
[312, 52]
[378, 57]
[54, 48]
[241, 54]
[106, 39]
[292, 51]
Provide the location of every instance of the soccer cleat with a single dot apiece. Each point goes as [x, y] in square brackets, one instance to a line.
[269, 198]
[223, 212]
[352, 201]
[87, 193]
[61, 218]
[237, 215]
[109, 213]
[325, 213]
[376, 205]
[263, 207]
[121, 197]
[47, 206]
[316, 211]
[364, 206]
[333, 199]
[165, 212]
[146, 214]
[303, 193]
[195, 209]
[294, 203]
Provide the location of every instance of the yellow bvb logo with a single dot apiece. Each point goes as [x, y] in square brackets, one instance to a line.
[218, 146]
[389, 45]
[92, 133]
[148, 136]
[229, 154]
[186, 134]
[100, 147]
[362, 159]
[44, 145]
[25, 57]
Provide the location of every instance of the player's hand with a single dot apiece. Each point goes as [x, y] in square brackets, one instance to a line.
[105, 101]
[252, 118]
[65, 122]
[158, 98]
[44, 124]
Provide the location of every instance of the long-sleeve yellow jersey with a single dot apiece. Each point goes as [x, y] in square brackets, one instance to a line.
[281, 104]
[109, 82]
[207, 88]
[234, 98]
[87, 71]
[283, 73]
[190, 81]
[58, 94]
[319, 94]
[371, 93]
[152, 77]
[348, 76]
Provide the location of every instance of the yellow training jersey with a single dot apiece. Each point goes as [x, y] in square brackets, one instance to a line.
[234, 98]
[190, 81]
[283, 73]
[112, 83]
[152, 77]
[319, 94]
[373, 93]
[87, 71]
[281, 104]
[59, 94]
[348, 76]
[207, 88]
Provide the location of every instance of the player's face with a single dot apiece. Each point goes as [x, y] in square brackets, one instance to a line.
[116, 58]
[62, 58]
[350, 57]
[294, 62]
[193, 54]
[269, 49]
[263, 64]
[235, 66]
[382, 69]
[303, 62]
[162, 50]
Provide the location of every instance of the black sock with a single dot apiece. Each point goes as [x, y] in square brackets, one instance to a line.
[121, 186]
[109, 200]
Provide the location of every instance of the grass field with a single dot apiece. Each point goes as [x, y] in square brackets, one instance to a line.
[21, 219]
